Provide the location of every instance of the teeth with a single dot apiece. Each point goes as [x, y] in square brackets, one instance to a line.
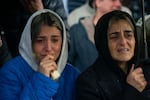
[123, 50]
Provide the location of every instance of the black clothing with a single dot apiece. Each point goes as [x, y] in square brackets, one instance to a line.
[4, 52]
[105, 80]
[101, 82]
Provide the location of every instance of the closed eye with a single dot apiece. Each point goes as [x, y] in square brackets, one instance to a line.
[129, 34]
[39, 39]
[113, 35]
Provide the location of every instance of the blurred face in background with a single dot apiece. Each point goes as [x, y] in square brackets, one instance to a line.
[108, 5]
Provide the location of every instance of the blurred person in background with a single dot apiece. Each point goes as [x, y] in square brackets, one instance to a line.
[87, 10]
[141, 36]
[73, 4]
[82, 52]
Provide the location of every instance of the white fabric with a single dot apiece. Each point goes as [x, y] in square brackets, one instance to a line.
[25, 47]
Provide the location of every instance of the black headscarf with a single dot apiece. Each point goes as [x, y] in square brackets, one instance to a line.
[100, 36]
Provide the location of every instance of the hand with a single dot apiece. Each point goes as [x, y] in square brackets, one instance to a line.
[47, 65]
[136, 78]
[32, 5]
[1, 41]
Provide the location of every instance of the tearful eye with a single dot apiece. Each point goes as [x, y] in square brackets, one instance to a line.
[54, 40]
[129, 34]
[39, 40]
[113, 35]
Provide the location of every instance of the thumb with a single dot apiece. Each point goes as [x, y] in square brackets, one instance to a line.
[132, 68]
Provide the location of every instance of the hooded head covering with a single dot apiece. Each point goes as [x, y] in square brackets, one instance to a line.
[25, 45]
[101, 31]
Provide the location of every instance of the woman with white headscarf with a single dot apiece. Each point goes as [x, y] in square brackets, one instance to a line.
[41, 71]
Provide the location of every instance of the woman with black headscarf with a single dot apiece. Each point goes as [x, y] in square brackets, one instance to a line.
[114, 75]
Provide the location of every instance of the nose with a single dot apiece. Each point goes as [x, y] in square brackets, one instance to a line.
[122, 40]
[118, 4]
[48, 46]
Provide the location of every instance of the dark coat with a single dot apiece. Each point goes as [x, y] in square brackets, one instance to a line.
[101, 82]
[104, 80]
[82, 52]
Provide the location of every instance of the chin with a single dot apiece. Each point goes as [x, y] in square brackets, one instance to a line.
[123, 58]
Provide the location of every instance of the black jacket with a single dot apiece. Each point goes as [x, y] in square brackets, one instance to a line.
[105, 80]
[100, 82]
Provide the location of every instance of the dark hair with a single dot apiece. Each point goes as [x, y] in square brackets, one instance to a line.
[44, 19]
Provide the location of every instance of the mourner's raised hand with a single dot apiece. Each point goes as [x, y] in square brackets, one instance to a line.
[136, 78]
[47, 65]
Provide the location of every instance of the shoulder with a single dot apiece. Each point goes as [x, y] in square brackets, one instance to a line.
[71, 71]
[15, 65]
[87, 75]
[76, 25]
[77, 28]
[95, 72]
[71, 68]
[14, 61]
[87, 82]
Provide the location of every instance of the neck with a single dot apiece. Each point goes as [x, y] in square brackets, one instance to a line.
[123, 66]
[97, 16]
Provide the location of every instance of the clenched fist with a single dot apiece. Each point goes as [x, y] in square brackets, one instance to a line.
[136, 78]
[48, 67]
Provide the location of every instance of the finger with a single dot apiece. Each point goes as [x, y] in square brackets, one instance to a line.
[141, 75]
[46, 58]
[53, 64]
[140, 78]
[132, 68]
[48, 66]
[139, 70]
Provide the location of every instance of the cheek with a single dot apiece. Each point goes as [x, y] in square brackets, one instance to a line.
[57, 49]
[112, 48]
[36, 49]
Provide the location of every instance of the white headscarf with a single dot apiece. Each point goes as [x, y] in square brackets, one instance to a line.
[25, 45]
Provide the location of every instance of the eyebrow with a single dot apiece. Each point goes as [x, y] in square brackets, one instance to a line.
[113, 33]
[118, 31]
[128, 31]
[42, 36]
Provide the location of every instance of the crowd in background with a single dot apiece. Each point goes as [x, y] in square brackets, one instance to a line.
[13, 21]
[76, 41]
